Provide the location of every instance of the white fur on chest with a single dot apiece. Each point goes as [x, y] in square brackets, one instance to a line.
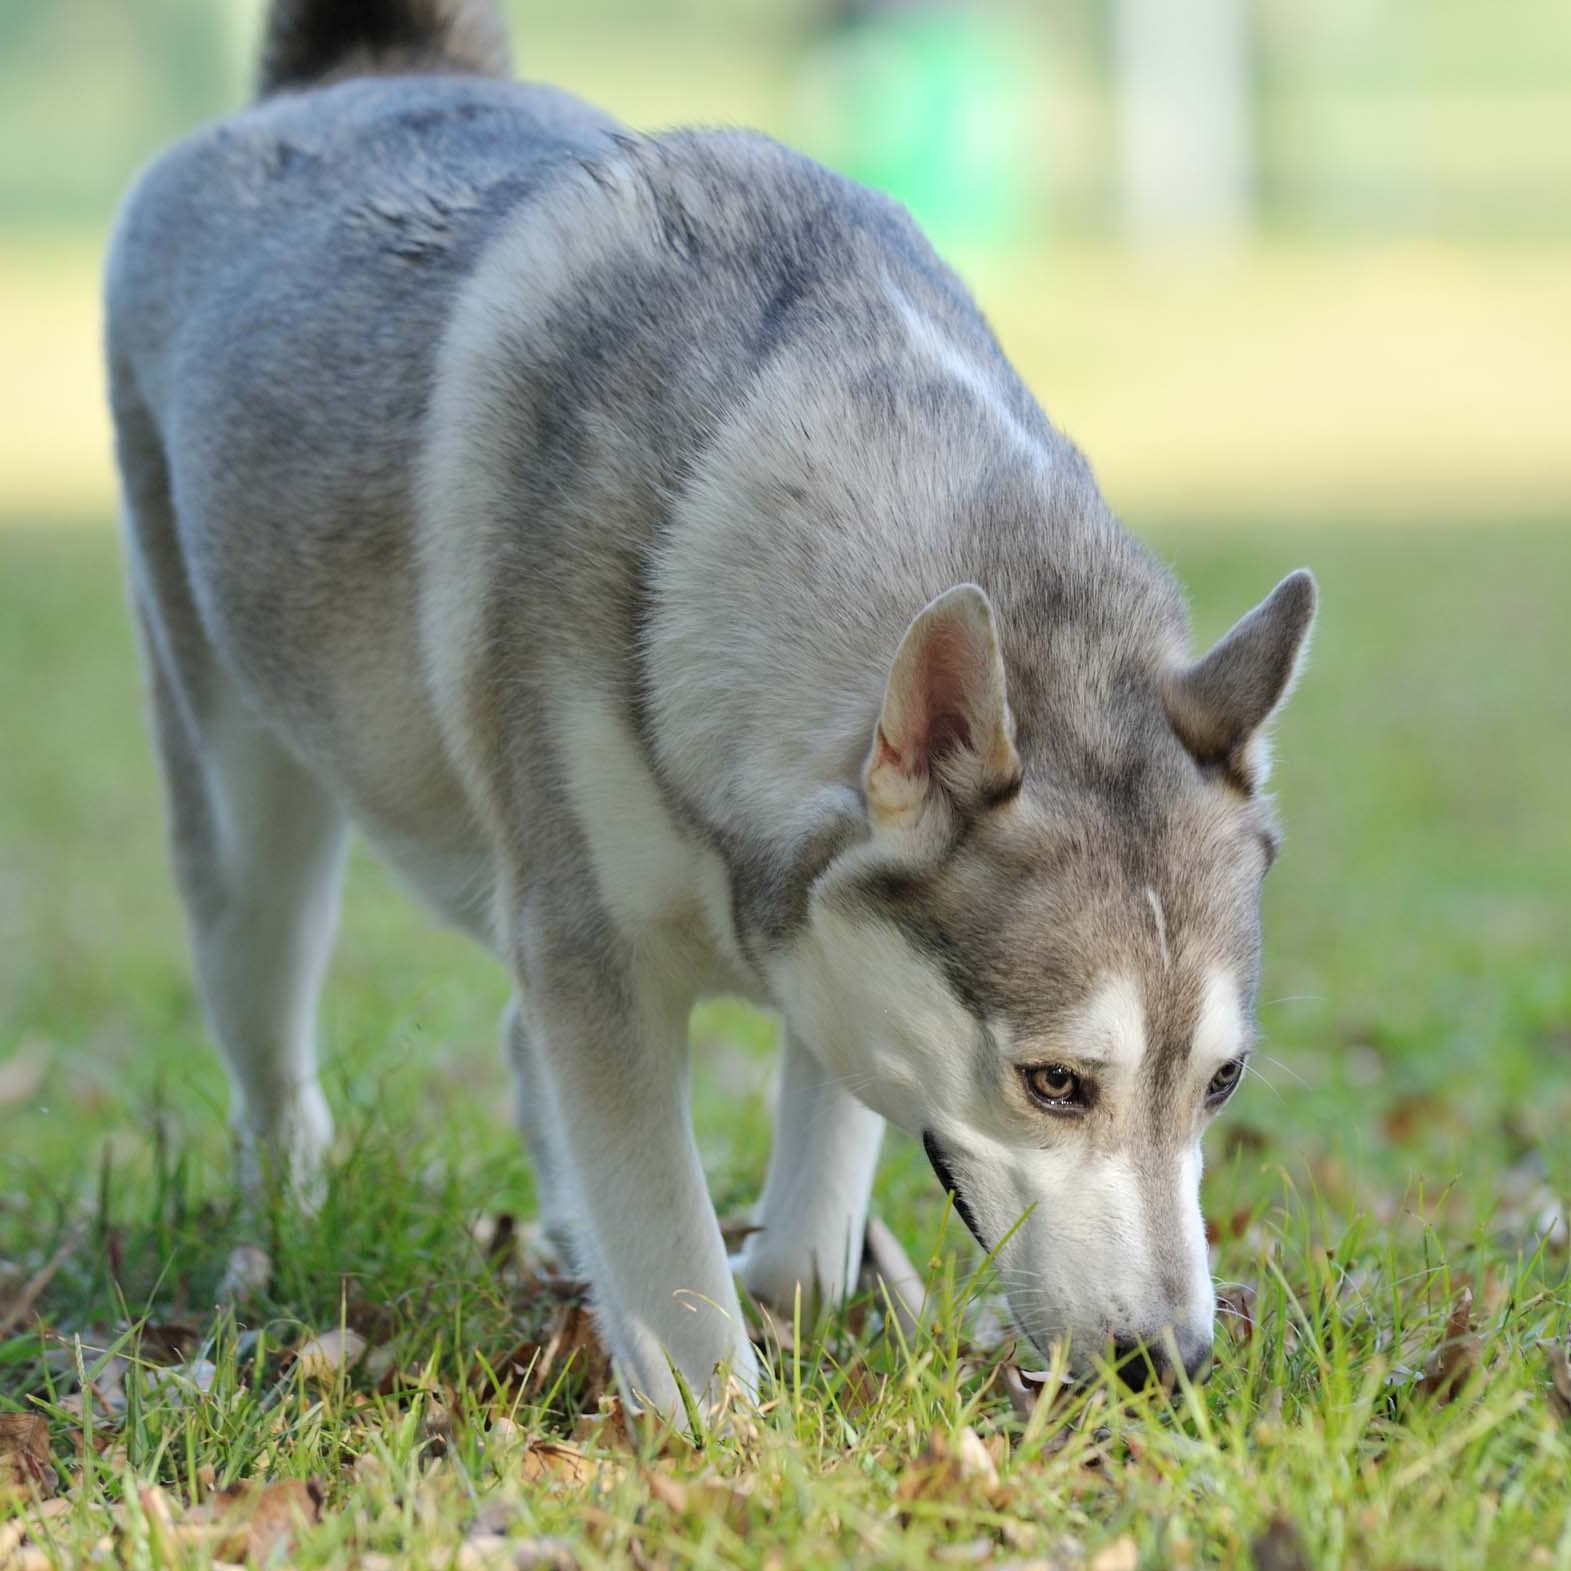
[664, 891]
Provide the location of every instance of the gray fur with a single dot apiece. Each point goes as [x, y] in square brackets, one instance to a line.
[552, 502]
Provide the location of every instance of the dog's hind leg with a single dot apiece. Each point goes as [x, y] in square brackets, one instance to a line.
[257, 844]
[813, 1212]
[538, 1120]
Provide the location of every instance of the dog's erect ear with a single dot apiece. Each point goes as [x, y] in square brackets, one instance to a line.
[1219, 704]
[945, 726]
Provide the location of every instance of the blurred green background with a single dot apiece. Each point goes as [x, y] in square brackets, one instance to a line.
[1332, 281]
[1298, 277]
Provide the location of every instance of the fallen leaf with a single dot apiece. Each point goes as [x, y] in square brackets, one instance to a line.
[1235, 1304]
[950, 1468]
[576, 1341]
[1123, 1554]
[1023, 1387]
[612, 1426]
[1560, 1378]
[770, 1330]
[859, 1391]
[1411, 1113]
[248, 1521]
[436, 1427]
[670, 1492]
[517, 1370]
[1280, 1548]
[26, 1464]
[1457, 1357]
[332, 1353]
[166, 1344]
[547, 1462]
[736, 1230]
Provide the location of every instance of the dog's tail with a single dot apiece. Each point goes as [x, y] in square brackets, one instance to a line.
[313, 41]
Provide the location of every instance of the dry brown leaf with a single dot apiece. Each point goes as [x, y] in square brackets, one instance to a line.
[1023, 1387]
[708, 1498]
[1037, 1398]
[1280, 1548]
[547, 1462]
[1235, 1305]
[771, 1330]
[950, 1468]
[611, 1426]
[167, 1344]
[516, 1371]
[332, 1353]
[736, 1230]
[1413, 1113]
[531, 1366]
[26, 1464]
[29, 1557]
[670, 1492]
[1560, 1378]
[1457, 1357]
[860, 1389]
[1123, 1554]
[248, 1521]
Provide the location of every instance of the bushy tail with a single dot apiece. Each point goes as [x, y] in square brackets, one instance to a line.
[311, 41]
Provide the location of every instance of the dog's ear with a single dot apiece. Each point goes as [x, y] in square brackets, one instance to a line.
[945, 726]
[1220, 704]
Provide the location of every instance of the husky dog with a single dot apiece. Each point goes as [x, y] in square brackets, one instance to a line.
[645, 543]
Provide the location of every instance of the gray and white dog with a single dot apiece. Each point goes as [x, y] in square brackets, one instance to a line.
[644, 541]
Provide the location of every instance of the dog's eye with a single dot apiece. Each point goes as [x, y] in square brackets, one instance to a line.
[1054, 1086]
[1223, 1081]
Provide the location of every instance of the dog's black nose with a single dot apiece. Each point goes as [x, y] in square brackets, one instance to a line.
[1139, 1362]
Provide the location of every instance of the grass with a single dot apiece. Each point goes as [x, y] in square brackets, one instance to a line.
[1406, 1136]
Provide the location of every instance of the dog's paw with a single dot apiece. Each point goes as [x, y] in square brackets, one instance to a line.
[778, 1277]
[287, 1152]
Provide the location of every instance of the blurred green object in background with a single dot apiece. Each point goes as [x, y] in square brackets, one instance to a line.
[923, 99]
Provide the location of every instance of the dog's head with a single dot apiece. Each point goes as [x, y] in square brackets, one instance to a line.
[1046, 970]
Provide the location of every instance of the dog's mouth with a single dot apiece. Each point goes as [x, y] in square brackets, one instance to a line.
[942, 1166]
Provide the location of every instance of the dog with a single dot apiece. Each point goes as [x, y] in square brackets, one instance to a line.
[645, 543]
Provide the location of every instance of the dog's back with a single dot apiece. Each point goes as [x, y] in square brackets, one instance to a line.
[276, 295]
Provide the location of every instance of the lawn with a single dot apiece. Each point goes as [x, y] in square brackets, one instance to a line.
[1403, 1145]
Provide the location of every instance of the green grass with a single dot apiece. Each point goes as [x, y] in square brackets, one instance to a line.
[1406, 1134]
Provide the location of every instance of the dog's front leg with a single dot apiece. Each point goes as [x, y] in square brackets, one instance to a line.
[612, 1049]
[814, 1206]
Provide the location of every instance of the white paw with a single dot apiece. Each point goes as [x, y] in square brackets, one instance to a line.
[288, 1149]
[775, 1275]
